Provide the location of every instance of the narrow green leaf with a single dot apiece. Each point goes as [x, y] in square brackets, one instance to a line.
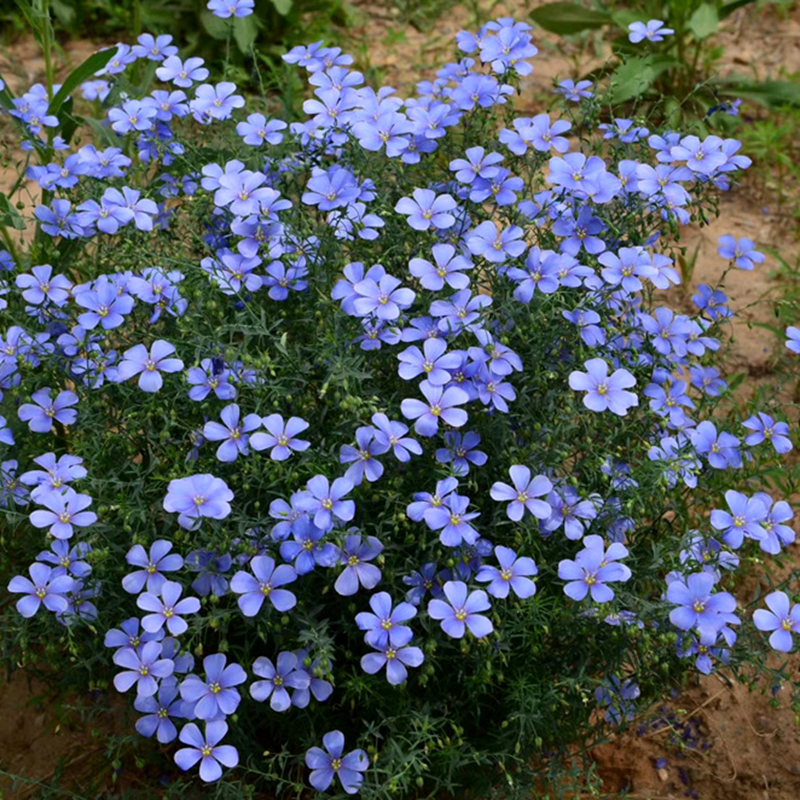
[83, 72]
[566, 18]
[9, 216]
[733, 5]
[704, 21]
[5, 96]
[772, 94]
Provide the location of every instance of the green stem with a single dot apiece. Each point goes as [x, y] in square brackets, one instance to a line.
[10, 244]
[43, 11]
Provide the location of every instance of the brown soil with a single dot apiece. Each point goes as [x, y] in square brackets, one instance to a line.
[739, 747]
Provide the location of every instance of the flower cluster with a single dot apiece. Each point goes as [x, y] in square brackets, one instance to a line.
[382, 397]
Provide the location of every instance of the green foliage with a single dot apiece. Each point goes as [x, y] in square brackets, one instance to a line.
[682, 66]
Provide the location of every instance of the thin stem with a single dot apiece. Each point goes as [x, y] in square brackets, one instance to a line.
[10, 243]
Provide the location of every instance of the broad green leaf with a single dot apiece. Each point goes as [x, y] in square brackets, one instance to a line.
[283, 7]
[215, 27]
[64, 12]
[631, 79]
[9, 216]
[624, 17]
[704, 21]
[81, 73]
[732, 5]
[566, 18]
[245, 31]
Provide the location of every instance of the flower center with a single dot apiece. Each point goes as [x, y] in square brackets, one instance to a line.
[40, 592]
[265, 588]
[699, 606]
[461, 614]
[214, 688]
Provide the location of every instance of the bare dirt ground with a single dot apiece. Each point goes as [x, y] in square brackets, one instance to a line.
[715, 741]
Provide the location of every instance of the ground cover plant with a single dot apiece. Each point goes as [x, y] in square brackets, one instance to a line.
[360, 451]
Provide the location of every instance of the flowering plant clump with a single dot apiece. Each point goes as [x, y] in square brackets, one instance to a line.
[364, 442]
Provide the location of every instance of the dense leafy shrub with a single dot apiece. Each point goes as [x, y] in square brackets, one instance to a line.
[371, 430]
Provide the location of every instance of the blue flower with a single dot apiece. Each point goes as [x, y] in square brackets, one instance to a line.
[198, 496]
[513, 574]
[44, 410]
[781, 619]
[604, 391]
[575, 91]
[523, 494]
[459, 451]
[207, 750]
[287, 674]
[356, 554]
[447, 267]
[308, 550]
[232, 433]
[742, 252]
[210, 377]
[45, 587]
[461, 611]
[231, 8]
[264, 584]
[745, 518]
[159, 710]
[215, 696]
[765, 429]
[395, 657]
[64, 509]
[441, 405]
[148, 365]
[167, 609]
[332, 761]
[142, 666]
[453, 521]
[159, 560]
[696, 606]
[721, 450]
[326, 501]
[592, 569]
[362, 457]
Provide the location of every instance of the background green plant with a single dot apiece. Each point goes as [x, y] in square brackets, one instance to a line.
[677, 77]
